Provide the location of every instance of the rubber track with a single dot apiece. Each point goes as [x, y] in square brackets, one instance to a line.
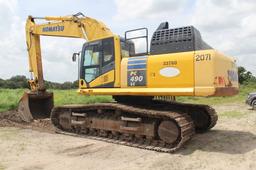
[187, 127]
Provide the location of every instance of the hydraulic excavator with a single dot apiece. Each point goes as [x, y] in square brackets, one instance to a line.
[145, 113]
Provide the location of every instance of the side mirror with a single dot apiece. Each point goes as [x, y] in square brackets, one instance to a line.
[74, 57]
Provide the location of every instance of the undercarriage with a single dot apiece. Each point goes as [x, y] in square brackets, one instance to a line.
[152, 124]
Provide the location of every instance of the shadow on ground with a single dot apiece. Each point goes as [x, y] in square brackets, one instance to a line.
[222, 141]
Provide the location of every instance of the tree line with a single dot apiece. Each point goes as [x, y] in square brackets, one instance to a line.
[19, 81]
[22, 82]
[245, 76]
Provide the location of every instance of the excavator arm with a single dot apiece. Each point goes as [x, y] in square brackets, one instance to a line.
[69, 26]
[37, 101]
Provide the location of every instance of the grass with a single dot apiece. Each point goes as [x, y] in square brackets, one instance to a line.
[62, 97]
[9, 98]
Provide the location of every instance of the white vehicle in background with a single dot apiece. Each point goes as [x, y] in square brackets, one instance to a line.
[251, 100]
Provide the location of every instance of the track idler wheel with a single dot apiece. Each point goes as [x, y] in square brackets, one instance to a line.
[169, 132]
[203, 120]
[35, 105]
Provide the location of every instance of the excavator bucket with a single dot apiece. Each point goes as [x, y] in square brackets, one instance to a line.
[34, 105]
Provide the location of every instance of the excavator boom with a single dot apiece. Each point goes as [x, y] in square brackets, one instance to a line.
[37, 101]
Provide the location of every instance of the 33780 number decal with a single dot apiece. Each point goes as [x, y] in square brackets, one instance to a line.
[203, 57]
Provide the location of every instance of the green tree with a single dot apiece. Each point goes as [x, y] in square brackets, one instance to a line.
[1, 83]
[244, 75]
[16, 82]
[75, 84]
[66, 85]
[22, 82]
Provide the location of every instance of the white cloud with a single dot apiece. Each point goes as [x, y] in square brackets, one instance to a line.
[11, 44]
[227, 25]
[148, 9]
[249, 26]
[56, 52]
[57, 58]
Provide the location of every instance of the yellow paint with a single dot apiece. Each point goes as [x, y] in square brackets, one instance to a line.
[117, 47]
[82, 83]
[74, 27]
[103, 79]
[124, 64]
[211, 74]
[204, 73]
[196, 78]
[184, 64]
[138, 91]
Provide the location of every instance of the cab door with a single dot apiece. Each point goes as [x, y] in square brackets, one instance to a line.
[98, 63]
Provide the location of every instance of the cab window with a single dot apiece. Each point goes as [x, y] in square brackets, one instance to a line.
[91, 56]
[91, 63]
[91, 74]
[108, 51]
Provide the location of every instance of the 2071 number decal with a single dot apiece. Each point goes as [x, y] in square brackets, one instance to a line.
[203, 57]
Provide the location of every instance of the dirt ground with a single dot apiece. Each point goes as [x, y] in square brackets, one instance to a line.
[231, 144]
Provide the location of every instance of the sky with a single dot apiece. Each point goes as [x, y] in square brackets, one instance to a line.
[227, 25]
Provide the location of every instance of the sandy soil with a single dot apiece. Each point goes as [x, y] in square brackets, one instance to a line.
[231, 144]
